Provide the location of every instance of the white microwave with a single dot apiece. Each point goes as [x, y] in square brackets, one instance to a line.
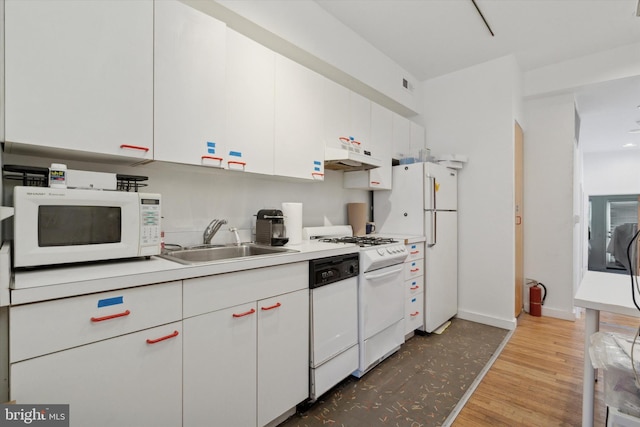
[59, 226]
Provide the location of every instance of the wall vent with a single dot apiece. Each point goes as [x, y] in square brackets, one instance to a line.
[407, 85]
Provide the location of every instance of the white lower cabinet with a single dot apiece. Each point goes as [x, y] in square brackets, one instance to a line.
[283, 354]
[130, 380]
[414, 288]
[247, 362]
[220, 368]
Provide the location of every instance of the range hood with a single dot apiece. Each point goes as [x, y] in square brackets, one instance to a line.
[343, 159]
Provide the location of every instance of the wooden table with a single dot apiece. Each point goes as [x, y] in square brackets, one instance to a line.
[600, 292]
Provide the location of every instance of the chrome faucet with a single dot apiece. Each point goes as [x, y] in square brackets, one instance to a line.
[212, 229]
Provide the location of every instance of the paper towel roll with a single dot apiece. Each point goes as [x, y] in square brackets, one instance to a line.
[357, 215]
[293, 221]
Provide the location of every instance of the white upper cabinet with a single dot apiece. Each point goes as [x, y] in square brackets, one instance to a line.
[418, 139]
[360, 122]
[401, 136]
[189, 86]
[347, 119]
[299, 147]
[79, 76]
[408, 138]
[380, 144]
[250, 104]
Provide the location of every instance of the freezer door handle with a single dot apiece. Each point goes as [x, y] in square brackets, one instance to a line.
[433, 237]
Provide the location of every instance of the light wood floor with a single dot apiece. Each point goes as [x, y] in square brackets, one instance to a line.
[537, 379]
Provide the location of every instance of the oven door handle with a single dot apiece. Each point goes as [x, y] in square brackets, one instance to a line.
[385, 274]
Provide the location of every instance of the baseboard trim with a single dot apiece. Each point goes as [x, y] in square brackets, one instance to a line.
[487, 320]
[558, 314]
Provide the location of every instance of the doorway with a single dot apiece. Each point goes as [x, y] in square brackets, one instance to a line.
[613, 221]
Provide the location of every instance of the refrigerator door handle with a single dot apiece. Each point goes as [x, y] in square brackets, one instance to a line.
[434, 227]
[432, 185]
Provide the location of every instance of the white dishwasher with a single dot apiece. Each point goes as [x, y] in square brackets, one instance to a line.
[333, 287]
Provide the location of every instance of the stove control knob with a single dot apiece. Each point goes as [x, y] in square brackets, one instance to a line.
[390, 250]
[380, 251]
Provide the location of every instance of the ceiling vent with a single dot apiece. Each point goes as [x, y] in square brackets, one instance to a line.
[407, 85]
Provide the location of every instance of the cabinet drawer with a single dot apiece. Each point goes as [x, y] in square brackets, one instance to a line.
[414, 313]
[415, 250]
[211, 293]
[45, 327]
[413, 269]
[414, 286]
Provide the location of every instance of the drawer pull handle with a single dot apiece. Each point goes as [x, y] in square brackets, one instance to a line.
[111, 316]
[134, 147]
[413, 288]
[166, 337]
[246, 313]
[415, 252]
[272, 307]
[414, 314]
[415, 270]
[375, 182]
[318, 174]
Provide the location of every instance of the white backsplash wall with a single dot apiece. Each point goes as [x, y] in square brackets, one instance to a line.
[192, 196]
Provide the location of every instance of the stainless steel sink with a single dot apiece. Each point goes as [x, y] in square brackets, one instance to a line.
[203, 254]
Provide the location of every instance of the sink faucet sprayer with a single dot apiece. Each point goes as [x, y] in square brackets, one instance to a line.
[212, 229]
[234, 230]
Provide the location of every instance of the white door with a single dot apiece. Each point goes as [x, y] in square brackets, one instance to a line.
[381, 299]
[334, 319]
[220, 368]
[441, 187]
[441, 271]
[189, 86]
[299, 146]
[250, 104]
[283, 354]
[122, 381]
[79, 76]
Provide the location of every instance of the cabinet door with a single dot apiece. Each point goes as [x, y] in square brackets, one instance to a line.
[283, 354]
[250, 104]
[131, 380]
[189, 79]
[360, 122]
[79, 76]
[381, 147]
[220, 368]
[299, 148]
[335, 104]
[401, 136]
[417, 138]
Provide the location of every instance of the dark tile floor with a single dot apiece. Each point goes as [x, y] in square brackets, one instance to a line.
[417, 386]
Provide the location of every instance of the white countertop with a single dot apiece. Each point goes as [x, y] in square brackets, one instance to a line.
[406, 238]
[59, 282]
[607, 292]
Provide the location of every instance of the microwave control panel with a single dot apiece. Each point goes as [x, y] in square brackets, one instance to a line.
[150, 215]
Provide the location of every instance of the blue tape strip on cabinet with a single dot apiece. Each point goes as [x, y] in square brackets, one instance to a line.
[235, 153]
[413, 300]
[317, 163]
[110, 301]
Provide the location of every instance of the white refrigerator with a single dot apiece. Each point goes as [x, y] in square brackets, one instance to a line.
[424, 201]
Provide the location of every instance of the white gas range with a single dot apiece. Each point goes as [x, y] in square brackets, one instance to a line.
[380, 300]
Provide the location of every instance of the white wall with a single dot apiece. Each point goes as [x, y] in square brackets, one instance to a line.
[549, 200]
[616, 172]
[472, 112]
[192, 196]
[306, 25]
[545, 85]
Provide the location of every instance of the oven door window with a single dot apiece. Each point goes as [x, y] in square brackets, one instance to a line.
[79, 225]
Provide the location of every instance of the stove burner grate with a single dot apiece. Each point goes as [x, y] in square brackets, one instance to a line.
[361, 241]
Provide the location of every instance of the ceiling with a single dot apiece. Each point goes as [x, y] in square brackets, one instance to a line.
[429, 38]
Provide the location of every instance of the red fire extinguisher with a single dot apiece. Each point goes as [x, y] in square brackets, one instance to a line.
[536, 299]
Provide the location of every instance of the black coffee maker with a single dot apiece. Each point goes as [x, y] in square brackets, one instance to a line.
[270, 228]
